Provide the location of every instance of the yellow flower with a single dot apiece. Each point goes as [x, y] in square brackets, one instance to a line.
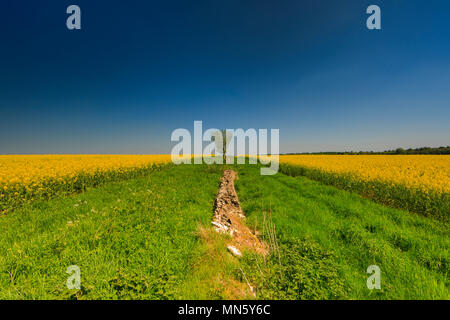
[424, 172]
[39, 172]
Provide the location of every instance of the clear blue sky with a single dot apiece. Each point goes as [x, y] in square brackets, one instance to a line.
[139, 69]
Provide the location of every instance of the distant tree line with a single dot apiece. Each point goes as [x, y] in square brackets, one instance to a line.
[423, 150]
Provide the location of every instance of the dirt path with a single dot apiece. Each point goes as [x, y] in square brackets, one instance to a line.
[217, 273]
[229, 218]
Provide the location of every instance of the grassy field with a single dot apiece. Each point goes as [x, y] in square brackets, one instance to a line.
[131, 239]
[150, 237]
[328, 237]
[415, 183]
[26, 178]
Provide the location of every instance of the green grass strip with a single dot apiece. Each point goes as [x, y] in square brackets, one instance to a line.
[328, 237]
[430, 204]
[19, 194]
[132, 239]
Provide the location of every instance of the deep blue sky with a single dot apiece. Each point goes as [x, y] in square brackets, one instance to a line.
[139, 69]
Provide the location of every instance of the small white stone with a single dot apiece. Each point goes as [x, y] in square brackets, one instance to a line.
[220, 226]
[235, 251]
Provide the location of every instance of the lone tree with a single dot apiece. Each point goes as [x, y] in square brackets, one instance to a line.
[222, 139]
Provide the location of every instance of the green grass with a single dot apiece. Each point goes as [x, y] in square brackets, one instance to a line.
[430, 204]
[149, 237]
[132, 239]
[17, 195]
[328, 237]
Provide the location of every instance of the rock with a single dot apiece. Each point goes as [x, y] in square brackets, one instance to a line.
[219, 227]
[235, 251]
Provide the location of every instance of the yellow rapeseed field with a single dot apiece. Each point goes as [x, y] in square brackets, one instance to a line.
[426, 177]
[33, 169]
[424, 172]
